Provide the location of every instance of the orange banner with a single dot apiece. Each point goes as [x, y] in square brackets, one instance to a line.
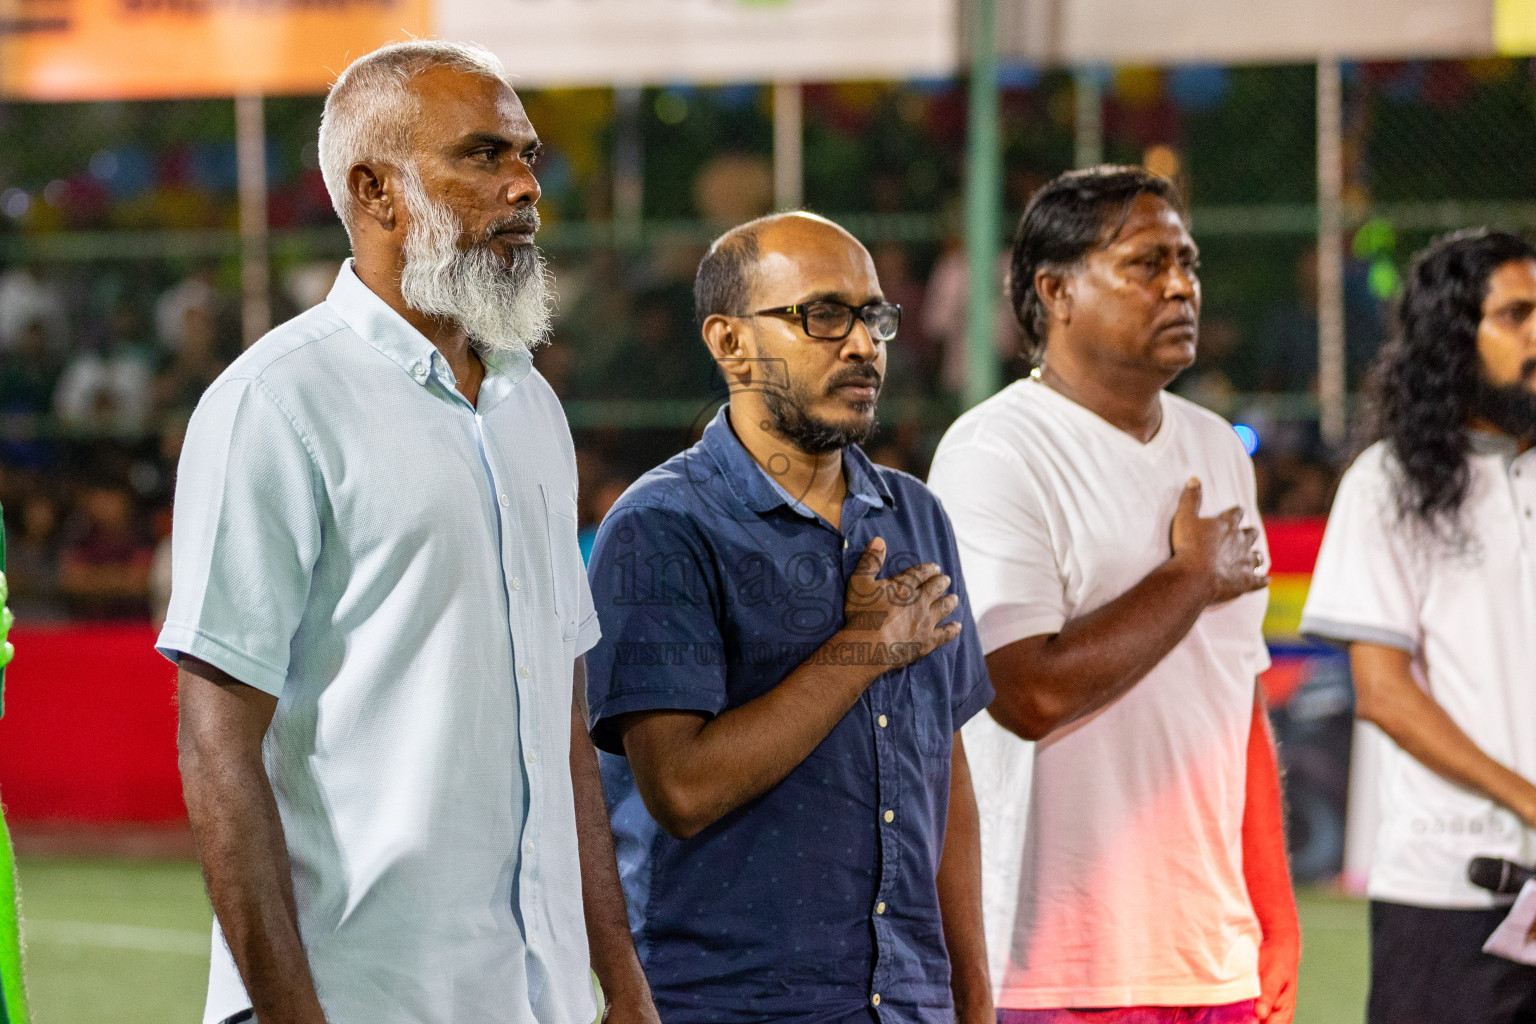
[151, 49]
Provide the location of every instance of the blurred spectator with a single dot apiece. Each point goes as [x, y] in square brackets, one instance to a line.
[29, 374]
[913, 358]
[159, 584]
[24, 303]
[1208, 382]
[557, 363]
[662, 357]
[194, 292]
[32, 561]
[590, 316]
[944, 317]
[308, 284]
[734, 187]
[105, 559]
[193, 363]
[901, 447]
[107, 390]
[1302, 488]
[1288, 335]
[608, 490]
[890, 455]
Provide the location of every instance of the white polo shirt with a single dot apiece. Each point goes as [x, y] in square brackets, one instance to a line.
[1113, 877]
[400, 569]
[1468, 617]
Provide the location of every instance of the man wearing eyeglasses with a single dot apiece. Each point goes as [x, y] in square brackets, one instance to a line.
[787, 655]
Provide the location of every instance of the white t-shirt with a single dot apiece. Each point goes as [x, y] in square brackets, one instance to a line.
[1125, 887]
[1468, 617]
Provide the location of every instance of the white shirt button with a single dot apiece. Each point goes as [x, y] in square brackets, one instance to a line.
[505, 501]
[890, 816]
[517, 584]
[880, 907]
[525, 671]
[528, 846]
[531, 756]
[874, 1000]
[845, 543]
[419, 370]
[883, 721]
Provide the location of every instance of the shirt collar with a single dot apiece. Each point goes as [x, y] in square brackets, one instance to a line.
[760, 492]
[1483, 442]
[387, 331]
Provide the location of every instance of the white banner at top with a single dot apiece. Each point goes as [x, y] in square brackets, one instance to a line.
[655, 42]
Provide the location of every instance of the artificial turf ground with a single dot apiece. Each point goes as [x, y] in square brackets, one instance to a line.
[126, 942]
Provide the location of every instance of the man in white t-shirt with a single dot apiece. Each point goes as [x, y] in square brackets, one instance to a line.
[1143, 870]
[1428, 573]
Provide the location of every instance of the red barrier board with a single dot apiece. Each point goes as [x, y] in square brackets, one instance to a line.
[89, 733]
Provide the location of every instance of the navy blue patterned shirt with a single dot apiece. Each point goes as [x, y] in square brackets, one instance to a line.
[817, 901]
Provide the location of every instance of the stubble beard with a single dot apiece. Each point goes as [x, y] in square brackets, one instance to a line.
[790, 418]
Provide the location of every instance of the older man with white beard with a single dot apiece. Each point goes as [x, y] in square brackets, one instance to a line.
[379, 610]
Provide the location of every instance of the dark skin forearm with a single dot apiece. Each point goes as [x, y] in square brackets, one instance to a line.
[692, 770]
[240, 839]
[1045, 682]
[959, 885]
[613, 951]
[1387, 696]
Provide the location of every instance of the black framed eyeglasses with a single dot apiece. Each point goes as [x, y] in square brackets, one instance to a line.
[830, 320]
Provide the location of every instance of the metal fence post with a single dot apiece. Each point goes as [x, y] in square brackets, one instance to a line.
[1088, 100]
[983, 205]
[788, 146]
[628, 166]
[255, 271]
[1331, 369]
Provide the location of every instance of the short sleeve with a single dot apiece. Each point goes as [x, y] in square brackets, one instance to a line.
[971, 689]
[1015, 584]
[245, 536]
[661, 647]
[590, 630]
[1363, 588]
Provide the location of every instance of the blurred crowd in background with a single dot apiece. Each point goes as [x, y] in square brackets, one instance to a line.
[119, 270]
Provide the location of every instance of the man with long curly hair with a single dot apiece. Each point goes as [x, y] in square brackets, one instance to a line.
[1428, 573]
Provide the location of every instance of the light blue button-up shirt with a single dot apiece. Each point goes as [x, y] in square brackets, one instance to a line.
[401, 569]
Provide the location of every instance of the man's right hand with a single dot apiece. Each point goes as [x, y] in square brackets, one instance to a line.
[1220, 549]
[903, 612]
[693, 769]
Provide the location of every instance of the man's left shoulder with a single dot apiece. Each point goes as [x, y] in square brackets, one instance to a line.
[536, 394]
[1203, 424]
[535, 403]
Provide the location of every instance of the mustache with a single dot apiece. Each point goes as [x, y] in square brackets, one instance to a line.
[524, 221]
[859, 376]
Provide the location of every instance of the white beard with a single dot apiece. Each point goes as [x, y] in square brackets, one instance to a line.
[503, 308]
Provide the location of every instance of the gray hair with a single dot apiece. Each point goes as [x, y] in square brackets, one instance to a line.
[370, 111]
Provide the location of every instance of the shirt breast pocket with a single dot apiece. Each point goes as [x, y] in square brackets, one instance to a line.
[565, 563]
[928, 702]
